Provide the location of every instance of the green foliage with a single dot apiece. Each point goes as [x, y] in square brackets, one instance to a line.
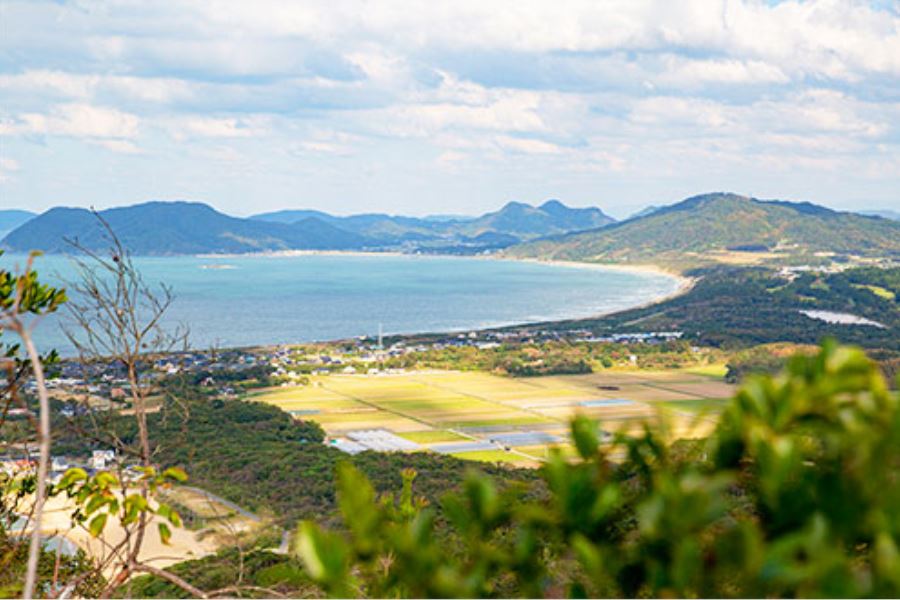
[97, 498]
[25, 294]
[51, 573]
[253, 569]
[551, 358]
[763, 359]
[32, 296]
[796, 493]
[21, 296]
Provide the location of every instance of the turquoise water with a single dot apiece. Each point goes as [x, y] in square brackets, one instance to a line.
[275, 299]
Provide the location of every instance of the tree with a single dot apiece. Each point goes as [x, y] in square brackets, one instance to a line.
[117, 319]
[20, 296]
[111, 311]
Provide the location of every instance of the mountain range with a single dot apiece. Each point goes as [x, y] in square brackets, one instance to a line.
[723, 227]
[167, 228]
[513, 223]
[709, 228]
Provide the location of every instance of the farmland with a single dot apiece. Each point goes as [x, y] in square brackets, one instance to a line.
[479, 416]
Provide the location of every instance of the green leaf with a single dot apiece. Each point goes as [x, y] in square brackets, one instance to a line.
[71, 477]
[105, 479]
[165, 534]
[323, 554]
[176, 473]
[95, 527]
[95, 502]
[584, 432]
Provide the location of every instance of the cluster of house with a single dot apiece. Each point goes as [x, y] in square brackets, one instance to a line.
[18, 461]
[493, 339]
[793, 271]
[106, 386]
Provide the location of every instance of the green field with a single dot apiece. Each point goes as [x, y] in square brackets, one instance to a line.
[491, 456]
[433, 436]
[879, 291]
[445, 407]
[700, 406]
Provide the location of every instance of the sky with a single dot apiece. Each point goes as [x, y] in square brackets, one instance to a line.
[447, 107]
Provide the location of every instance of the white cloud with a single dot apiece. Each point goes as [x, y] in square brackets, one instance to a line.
[8, 164]
[218, 127]
[75, 120]
[118, 146]
[692, 72]
[85, 87]
[7, 167]
[819, 37]
[527, 146]
[514, 90]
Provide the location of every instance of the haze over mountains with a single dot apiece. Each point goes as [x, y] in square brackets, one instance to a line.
[710, 227]
[164, 228]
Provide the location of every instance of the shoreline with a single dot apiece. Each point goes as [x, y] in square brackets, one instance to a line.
[680, 286]
[684, 284]
[637, 268]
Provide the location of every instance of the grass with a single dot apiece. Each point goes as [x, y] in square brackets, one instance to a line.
[460, 405]
[433, 436]
[526, 420]
[542, 452]
[878, 291]
[490, 456]
[702, 405]
[716, 371]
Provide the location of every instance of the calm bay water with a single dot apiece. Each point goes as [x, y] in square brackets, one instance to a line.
[274, 299]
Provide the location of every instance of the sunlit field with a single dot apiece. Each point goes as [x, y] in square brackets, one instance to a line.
[484, 417]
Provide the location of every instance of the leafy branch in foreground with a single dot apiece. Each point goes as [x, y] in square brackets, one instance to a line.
[796, 493]
[23, 298]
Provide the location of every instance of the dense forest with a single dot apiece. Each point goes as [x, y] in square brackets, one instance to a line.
[740, 307]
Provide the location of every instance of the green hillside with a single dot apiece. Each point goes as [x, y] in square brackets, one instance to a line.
[727, 228]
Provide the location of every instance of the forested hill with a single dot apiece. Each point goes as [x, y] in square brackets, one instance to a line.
[160, 228]
[722, 226]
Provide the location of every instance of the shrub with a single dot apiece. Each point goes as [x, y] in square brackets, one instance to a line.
[796, 493]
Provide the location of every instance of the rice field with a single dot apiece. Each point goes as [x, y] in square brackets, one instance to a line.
[442, 408]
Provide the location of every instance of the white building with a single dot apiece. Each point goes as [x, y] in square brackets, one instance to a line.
[102, 459]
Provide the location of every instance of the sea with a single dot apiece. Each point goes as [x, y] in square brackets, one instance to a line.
[251, 300]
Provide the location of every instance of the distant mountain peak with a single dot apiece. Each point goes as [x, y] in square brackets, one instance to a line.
[516, 205]
[552, 205]
[711, 198]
